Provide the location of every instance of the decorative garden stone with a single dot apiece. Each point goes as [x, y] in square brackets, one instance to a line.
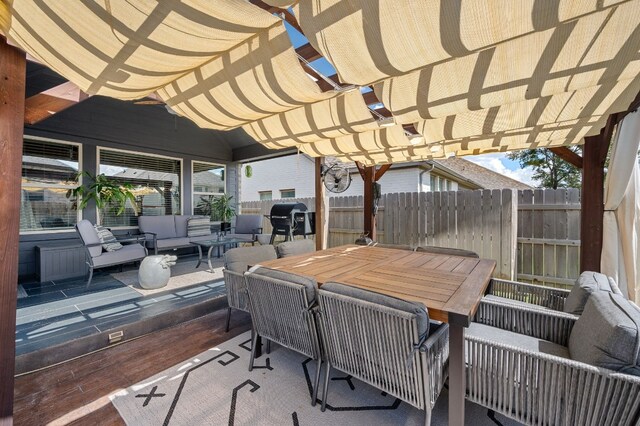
[155, 271]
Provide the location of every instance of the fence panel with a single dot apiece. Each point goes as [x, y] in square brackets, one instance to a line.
[482, 221]
[549, 236]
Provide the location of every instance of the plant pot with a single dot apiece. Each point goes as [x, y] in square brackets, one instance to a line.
[225, 226]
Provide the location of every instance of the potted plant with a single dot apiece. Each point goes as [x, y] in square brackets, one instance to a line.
[106, 192]
[223, 210]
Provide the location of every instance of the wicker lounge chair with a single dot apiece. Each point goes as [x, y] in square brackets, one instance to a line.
[567, 378]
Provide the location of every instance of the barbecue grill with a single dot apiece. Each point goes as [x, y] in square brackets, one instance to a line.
[290, 219]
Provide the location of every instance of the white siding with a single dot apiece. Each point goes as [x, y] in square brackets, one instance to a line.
[297, 172]
[291, 172]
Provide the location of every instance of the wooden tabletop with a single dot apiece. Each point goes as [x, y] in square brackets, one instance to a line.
[449, 286]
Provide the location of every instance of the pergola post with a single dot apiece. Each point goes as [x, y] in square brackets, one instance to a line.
[369, 217]
[321, 211]
[592, 210]
[12, 92]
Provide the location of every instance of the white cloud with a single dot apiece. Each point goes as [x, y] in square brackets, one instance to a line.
[496, 162]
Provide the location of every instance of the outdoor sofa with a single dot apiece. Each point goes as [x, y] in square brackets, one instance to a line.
[170, 232]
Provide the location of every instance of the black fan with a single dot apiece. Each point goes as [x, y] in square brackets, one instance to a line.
[336, 178]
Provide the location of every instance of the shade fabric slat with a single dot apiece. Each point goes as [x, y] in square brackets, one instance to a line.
[367, 41]
[598, 49]
[331, 118]
[127, 49]
[256, 79]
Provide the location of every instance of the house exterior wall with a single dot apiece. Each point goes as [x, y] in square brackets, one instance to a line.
[291, 172]
[108, 123]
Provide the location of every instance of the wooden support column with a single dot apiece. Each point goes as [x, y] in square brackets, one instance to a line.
[12, 92]
[369, 218]
[321, 208]
[592, 212]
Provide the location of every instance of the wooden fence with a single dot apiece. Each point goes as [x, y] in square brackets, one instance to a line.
[549, 236]
[483, 221]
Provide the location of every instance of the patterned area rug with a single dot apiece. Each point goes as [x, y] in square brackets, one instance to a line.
[183, 274]
[216, 388]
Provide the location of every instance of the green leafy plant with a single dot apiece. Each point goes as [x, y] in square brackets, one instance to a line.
[222, 208]
[104, 191]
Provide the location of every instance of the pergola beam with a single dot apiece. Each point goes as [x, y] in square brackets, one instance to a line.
[43, 105]
[567, 155]
[12, 88]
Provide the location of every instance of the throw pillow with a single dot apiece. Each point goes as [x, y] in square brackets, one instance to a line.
[109, 242]
[198, 226]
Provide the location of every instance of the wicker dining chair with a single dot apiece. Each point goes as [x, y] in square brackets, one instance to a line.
[447, 251]
[236, 263]
[585, 373]
[392, 246]
[386, 342]
[281, 307]
[295, 247]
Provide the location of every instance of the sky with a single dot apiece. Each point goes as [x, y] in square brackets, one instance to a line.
[497, 162]
[501, 164]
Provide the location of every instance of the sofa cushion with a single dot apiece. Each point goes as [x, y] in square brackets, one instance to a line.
[173, 243]
[292, 248]
[181, 222]
[248, 224]
[162, 226]
[420, 311]
[198, 226]
[128, 253]
[310, 285]
[515, 339]
[607, 334]
[89, 236]
[239, 259]
[587, 283]
[109, 242]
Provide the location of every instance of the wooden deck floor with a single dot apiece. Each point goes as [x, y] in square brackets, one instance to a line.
[76, 392]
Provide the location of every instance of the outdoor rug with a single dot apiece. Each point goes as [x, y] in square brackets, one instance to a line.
[216, 388]
[183, 274]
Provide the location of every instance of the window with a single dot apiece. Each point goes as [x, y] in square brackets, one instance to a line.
[265, 195]
[208, 182]
[156, 184]
[287, 193]
[48, 171]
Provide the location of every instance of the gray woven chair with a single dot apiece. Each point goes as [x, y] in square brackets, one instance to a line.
[385, 342]
[569, 377]
[293, 248]
[281, 306]
[447, 251]
[511, 305]
[392, 246]
[236, 263]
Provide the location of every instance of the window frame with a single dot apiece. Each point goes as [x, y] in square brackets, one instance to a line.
[199, 193]
[36, 185]
[144, 153]
[287, 190]
[270, 192]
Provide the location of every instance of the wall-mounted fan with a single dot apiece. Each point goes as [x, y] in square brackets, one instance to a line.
[336, 178]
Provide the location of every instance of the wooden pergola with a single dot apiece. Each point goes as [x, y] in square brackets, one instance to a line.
[16, 111]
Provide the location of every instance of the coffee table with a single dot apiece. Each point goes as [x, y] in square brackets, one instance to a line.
[211, 244]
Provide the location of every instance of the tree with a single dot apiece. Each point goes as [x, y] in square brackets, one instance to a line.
[549, 169]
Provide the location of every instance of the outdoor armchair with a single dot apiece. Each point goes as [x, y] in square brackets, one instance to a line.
[281, 306]
[386, 342]
[588, 376]
[99, 258]
[236, 263]
[248, 226]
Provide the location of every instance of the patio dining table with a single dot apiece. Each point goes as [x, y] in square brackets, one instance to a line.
[449, 286]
